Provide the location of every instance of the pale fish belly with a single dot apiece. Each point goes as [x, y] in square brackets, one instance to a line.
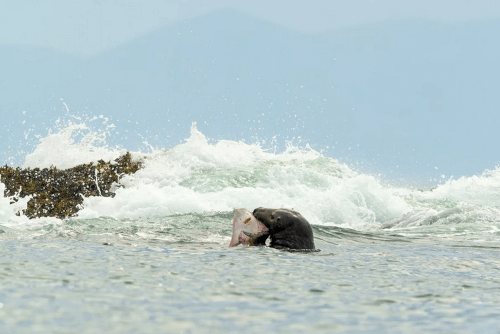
[245, 226]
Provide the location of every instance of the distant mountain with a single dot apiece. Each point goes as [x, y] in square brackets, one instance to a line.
[396, 89]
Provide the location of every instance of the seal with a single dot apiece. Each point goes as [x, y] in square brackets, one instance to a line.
[287, 229]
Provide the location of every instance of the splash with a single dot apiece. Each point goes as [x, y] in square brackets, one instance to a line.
[6, 210]
[479, 190]
[468, 201]
[9, 213]
[200, 177]
[61, 150]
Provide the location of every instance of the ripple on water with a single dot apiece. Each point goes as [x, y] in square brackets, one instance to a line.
[136, 277]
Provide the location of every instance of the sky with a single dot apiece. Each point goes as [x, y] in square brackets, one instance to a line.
[400, 87]
[87, 28]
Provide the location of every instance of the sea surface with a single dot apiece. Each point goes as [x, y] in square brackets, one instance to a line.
[155, 258]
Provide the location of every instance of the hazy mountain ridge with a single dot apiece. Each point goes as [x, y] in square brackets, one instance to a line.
[246, 78]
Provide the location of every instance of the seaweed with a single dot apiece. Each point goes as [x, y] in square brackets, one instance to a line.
[60, 193]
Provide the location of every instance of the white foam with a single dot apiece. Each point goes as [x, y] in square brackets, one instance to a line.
[200, 177]
[479, 190]
[61, 150]
[6, 210]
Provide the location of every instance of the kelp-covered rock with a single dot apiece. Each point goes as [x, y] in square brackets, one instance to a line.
[59, 193]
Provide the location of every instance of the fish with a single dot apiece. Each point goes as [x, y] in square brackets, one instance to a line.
[246, 228]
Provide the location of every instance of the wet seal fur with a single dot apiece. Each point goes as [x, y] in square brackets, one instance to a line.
[288, 230]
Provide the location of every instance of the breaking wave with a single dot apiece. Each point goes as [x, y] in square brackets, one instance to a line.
[199, 177]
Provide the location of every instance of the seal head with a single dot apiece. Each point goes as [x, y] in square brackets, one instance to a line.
[287, 228]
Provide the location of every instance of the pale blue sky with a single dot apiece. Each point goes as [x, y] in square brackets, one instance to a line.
[395, 88]
[90, 27]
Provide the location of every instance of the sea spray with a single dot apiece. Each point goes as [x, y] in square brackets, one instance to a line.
[203, 177]
[9, 210]
[478, 189]
[6, 210]
[60, 149]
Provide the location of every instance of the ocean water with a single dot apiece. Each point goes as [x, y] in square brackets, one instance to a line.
[155, 258]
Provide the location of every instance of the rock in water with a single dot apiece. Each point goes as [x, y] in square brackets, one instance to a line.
[59, 193]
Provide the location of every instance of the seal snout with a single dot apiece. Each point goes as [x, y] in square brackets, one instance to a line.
[260, 214]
